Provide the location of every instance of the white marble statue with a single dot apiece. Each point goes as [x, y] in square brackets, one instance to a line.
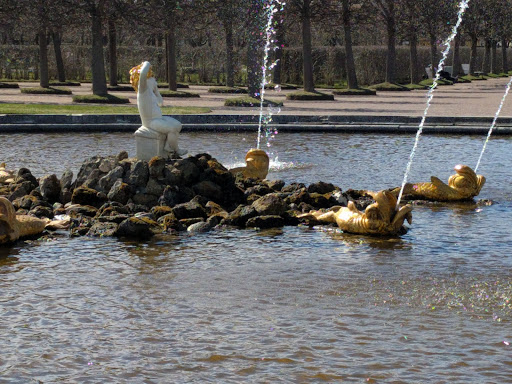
[154, 124]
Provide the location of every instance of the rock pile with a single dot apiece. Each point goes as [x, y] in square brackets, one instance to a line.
[120, 196]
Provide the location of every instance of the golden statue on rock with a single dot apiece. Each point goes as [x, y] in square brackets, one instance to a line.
[464, 185]
[6, 176]
[379, 218]
[257, 164]
[13, 227]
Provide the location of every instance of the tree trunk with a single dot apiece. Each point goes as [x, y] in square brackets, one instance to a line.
[391, 54]
[112, 51]
[307, 54]
[433, 52]
[472, 58]
[230, 69]
[413, 53]
[456, 64]
[504, 55]
[350, 65]
[57, 40]
[276, 74]
[486, 66]
[171, 58]
[494, 62]
[254, 49]
[99, 81]
[44, 80]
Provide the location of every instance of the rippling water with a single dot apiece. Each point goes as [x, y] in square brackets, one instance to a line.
[291, 305]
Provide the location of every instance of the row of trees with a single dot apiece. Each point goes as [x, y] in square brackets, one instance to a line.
[238, 26]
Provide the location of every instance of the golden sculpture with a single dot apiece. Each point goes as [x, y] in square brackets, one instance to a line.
[13, 227]
[135, 76]
[464, 185]
[257, 163]
[379, 218]
[6, 176]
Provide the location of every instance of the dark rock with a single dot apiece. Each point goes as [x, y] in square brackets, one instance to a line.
[153, 187]
[188, 210]
[145, 199]
[42, 211]
[252, 198]
[88, 196]
[170, 196]
[100, 229]
[120, 192]
[139, 174]
[106, 182]
[170, 222]
[321, 201]
[199, 227]
[161, 210]
[123, 155]
[239, 216]
[209, 190]
[50, 188]
[270, 204]
[65, 196]
[292, 187]
[135, 227]
[25, 202]
[156, 167]
[275, 185]
[80, 225]
[260, 190]
[172, 175]
[213, 208]
[298, 196]
[86, 169]
[265, 221]
[66, 179]
[190, 171]
[321, 188]
[305, 207]
[191, 221]
[107, 164]
[24, 174]
[20, 190]
[81, 210]
[118, 219]
[93, 178]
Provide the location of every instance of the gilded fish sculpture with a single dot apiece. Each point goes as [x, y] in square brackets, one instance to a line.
[257, 164]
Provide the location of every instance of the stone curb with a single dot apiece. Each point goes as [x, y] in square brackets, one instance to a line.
[240, 123]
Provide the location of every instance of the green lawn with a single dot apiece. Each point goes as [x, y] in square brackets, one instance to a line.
[57, 109]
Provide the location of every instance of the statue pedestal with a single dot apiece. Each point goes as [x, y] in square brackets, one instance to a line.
[149, 143]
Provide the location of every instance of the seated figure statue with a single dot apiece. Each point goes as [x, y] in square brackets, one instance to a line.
[149, 102]
[379, 218]
[464, 185]
[257, 163]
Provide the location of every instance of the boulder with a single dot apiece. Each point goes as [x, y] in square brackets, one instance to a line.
[170, 223]
[321, 188]
[66, 179]
[189, 170]
[107, 181]
[138, 228]
[100, 229]
[270, 204]
[156, 167]
[139, 174]
[188, 210]
[265, 221]
[88, 196]
[210, 190]
[120, 192]
[50, 188]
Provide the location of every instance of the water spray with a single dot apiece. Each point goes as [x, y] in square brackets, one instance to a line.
[272, 7]
[494, 122]
[463, 5]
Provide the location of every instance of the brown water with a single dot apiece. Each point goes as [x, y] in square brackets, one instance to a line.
[291, 305]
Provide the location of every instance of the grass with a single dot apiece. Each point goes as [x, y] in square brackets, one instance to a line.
[226, 90]
[247, 101]
[473, 77]
[60, 109]
[95, 99]
[283, 86]
[303, 95]
[121, 88]
[9, 85]
[178, 94]
[166, 85]
[414, 86]
[46, 91]
[429, 82]
[388, 87]
[354, 92]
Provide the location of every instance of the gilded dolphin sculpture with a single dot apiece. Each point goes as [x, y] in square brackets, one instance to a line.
[464, 185]
[379, 218]
[257, 164]
[6, 176]
[13, 227]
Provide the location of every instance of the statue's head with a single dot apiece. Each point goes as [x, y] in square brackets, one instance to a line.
[135, 76]
[257, 162]
[466, 179]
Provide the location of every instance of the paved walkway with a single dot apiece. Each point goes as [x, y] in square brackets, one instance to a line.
[476, 99]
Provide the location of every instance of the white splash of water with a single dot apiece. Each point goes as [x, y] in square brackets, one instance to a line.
[494, 123]
[463, 5]
[272, 7]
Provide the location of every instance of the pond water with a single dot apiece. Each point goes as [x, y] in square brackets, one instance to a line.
[290, 305]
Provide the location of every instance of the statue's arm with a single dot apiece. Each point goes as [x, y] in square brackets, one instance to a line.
[159, 99]
[143, 79]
